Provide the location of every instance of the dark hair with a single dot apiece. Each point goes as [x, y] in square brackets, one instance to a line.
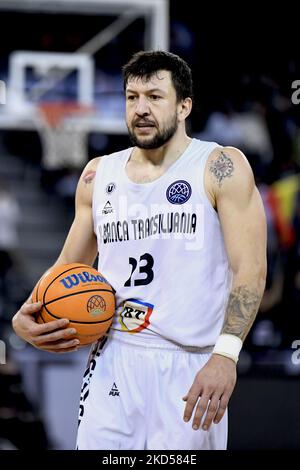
[145, 64]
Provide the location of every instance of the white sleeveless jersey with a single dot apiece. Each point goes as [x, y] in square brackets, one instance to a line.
[161, 247]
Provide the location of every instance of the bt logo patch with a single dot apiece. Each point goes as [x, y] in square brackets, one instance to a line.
[135, 315]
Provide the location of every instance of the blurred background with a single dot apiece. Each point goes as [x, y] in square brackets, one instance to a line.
[61, 104]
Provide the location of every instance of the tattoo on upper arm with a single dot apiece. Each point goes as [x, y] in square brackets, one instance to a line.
[222, 167]
[241, 311]
[88, 177]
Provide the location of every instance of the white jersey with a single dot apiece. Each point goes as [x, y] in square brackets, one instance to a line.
[161, 247]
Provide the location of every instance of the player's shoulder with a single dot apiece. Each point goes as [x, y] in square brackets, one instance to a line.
[90, 170]
[229, 165]
[94, 163]
[228, 173]
[226, 152]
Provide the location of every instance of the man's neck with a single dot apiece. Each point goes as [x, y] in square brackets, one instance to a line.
[164, 155]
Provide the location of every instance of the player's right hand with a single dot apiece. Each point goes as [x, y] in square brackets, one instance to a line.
[54, 336]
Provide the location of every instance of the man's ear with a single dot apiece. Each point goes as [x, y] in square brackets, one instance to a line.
[185, 108]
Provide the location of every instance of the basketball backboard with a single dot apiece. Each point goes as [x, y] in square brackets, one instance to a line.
[35, 76]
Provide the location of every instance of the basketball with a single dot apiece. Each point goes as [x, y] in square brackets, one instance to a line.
[81, 294]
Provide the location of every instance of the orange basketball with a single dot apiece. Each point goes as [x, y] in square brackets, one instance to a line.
[81, 294]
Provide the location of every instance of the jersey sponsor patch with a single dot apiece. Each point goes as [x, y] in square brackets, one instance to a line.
[107, 209]
[114, 392]
[110, 187]
[135, 315]
[179, 192]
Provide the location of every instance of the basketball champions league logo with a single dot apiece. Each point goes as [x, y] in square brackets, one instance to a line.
[179, 192]
[96, 305]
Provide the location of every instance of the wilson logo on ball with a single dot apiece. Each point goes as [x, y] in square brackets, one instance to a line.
[96, 305]
[75, 279]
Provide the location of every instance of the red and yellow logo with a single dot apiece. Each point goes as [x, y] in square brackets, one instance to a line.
[135, 315]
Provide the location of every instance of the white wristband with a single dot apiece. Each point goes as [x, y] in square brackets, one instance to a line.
[229, 346]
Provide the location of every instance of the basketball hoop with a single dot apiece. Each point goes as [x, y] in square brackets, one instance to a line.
[63, 135]
[55, 112]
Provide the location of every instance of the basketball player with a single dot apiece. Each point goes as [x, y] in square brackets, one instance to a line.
[181, 235]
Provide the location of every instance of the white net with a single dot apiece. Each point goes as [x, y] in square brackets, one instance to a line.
[63, 135]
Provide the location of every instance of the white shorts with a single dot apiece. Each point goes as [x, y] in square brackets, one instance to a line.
[131, 399]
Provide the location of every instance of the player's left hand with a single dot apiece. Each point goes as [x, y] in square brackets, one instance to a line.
[210, 392]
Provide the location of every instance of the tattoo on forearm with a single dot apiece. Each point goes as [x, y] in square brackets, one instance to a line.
[222, 167]
[89, 176]
[241, 311]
